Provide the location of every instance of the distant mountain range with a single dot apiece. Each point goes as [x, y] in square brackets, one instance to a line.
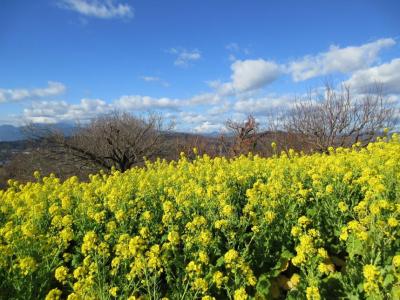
[10, 133]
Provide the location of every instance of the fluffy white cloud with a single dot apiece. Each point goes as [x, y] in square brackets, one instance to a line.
[57, 111]
[253, 74]
[208, 127]
[184, 57]
[205, 98]
[220, 109]
[138, 102]
[248, 75]
[104, 9]
[264, 105]
[14, 95]
[344, 60]
[188, 117]
[387, 74]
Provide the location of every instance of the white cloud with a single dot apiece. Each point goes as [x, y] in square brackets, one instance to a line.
[220, 109]
[184, 57]
[207, 127]
[138, 102]
[188, 117]
[155, 79]
[387, 74]
[264, 105]
[344, 60]
[150, 78]
[235, 48]
[103, 9]
[253, 74]
[232, 47]
[248, 75]
[57, 111]
[14, 95]
[205, 98]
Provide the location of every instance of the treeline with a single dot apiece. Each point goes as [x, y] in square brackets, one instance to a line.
[120, 140]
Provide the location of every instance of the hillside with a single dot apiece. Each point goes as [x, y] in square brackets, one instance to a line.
[321, 226]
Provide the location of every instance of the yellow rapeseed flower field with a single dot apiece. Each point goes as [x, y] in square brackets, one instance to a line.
[291, 226]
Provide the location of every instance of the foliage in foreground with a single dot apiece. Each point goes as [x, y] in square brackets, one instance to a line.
[291, 226]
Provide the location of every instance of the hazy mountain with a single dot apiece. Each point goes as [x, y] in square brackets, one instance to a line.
[10, 133]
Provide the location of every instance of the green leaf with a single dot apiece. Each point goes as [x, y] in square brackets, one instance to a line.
[263, 285]
[396, 293]
[311, 212]
[389, 278]
[220, 261]
[354, 246]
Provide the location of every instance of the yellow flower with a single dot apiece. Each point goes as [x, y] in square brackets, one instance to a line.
[396, 261]
[192, 267]
[326, 268]
[54, 294]
[120, 215]
[173, 237]
[200, 284]
[329, 189]
[67, 220]
[231, 256]
[146, 215]
[322, 253]
[240, 294]
[370, 272]
[67, 235]
[220, 223]
[89, 242]
[227, 210]
[61, 274]
[269, 216]
[205, 237]
[79, 272]
[393, 222]
[294, 281]
[312, 293]
[313, 233]
[203, 257]
[36, 174]
[74, 296]
[304, 221]
[144, 232]
[296, 230]
[298, 259]
[363, 235]
[218, 278]
[27, 265]
[342, 206]
[344, 235]
[113, 291]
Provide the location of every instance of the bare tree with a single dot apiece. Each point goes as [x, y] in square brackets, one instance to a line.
[117, 140]
[339, 118]
[186, 143]
[245, 135]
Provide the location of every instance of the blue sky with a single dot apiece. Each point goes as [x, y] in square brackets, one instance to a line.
[196, 62]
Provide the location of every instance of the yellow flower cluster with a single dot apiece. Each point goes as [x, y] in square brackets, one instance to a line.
[241, 228]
